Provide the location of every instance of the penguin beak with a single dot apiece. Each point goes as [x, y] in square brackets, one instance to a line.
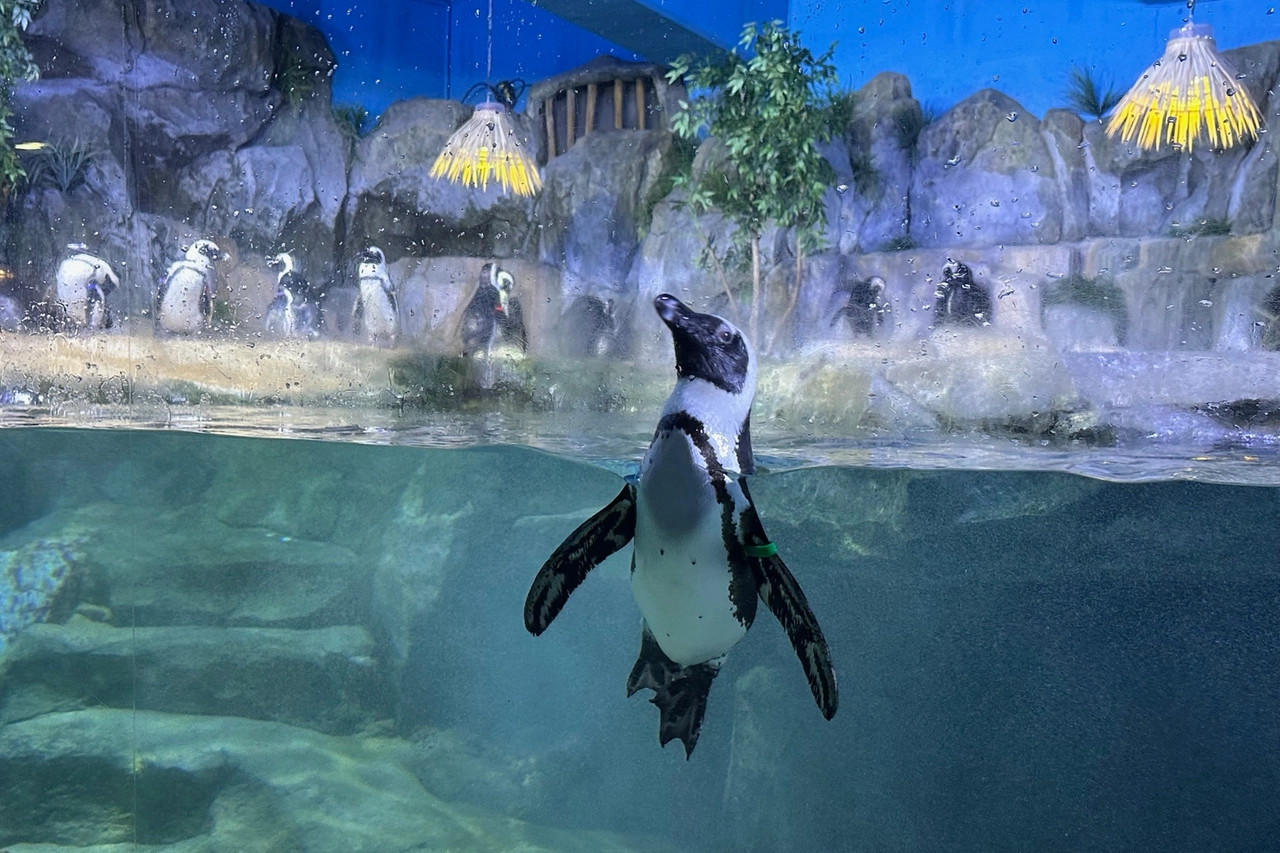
[672, 311]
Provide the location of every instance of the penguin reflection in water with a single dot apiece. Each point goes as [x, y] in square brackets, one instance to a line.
[493, 314]
[186, 296]
[292, 313]
[83, 282]
[865, 307]
[701, 556]
[376, 318]
[959, 300]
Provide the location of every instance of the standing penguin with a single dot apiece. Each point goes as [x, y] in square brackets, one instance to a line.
[493, 314]
[376, 318]
[589, 328]
[865, 307]
[186, 296]
[959, 300]
[84, 282]
[293, 312]
[701, 555]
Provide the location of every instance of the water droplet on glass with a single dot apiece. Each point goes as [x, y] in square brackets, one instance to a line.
[1055, 40]
[994, 203]
[1011, 115]
[1206, 303]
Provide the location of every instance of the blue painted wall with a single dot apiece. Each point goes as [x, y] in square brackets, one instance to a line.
[397, 49]
[952, 48]
[948, 48]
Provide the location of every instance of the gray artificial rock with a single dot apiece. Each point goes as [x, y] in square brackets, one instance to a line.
[395, 204]
[324, 679]
[590, 210]
[873, 159]
[985, 177]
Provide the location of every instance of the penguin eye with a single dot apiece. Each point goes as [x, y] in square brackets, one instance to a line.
[725, 336]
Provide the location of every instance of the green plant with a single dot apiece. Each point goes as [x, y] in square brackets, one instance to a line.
[1208, 227]
[295, 80]
[62, 165]
[352, 120]
[16, 64]
[1085, 95]
[841, 105]
[1098, 293]
[768, 111]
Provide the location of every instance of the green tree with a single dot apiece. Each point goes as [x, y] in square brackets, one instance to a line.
[15, 64]
[769, 111]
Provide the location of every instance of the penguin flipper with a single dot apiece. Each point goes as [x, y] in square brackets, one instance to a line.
[598, 537]
[781, 593]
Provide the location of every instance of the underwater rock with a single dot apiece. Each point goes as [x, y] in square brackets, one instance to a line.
[395, 204]
[759, 783]
[224, 783]
[985, 177]
[323, 679]
[184, 567]
[34, 582]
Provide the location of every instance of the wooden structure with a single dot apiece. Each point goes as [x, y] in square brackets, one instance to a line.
[605, 95]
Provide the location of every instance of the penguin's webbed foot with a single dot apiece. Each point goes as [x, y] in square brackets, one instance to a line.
[680, 693]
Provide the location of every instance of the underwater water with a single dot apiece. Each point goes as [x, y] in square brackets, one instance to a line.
[224, 643]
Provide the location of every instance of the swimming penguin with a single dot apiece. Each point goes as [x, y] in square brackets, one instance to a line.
[186, 297]
[865, 307]
[493, 314]
[83, 283]
[376, 318]
[701, 555]
[959, 300]
[589, 328]
[293, 311]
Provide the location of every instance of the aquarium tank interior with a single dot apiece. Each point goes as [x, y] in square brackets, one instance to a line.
[407, 408]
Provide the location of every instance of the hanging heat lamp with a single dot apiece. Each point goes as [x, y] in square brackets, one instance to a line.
[1188, 94]
[486, 147]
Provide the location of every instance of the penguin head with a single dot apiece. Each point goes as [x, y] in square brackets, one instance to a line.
[204, 249]
[373, 255]
[503, 281]
[708, 348]
[876, 283]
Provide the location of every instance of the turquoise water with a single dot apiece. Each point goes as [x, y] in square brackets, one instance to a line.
[265, 644]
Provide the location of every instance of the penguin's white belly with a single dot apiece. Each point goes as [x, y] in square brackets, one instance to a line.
[73, 277]
[180, 308]
[682, 574]
[379, 317]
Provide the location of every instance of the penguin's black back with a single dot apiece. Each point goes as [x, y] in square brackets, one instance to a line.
[588, 329]
[480, 319]
[863, 311]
